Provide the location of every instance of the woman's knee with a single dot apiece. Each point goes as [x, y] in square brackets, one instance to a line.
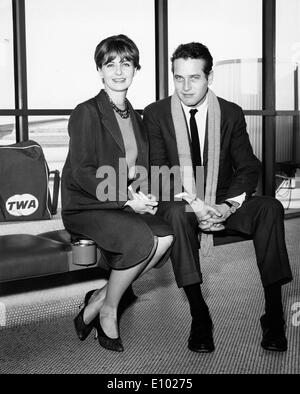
[164, 243]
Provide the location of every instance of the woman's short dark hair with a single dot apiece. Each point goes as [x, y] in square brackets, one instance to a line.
[113, 46]
[193, 50]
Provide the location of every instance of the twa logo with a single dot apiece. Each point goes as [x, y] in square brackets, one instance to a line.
[21, 205]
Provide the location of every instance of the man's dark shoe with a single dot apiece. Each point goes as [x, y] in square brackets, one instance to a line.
[273, 334]
[201, 336]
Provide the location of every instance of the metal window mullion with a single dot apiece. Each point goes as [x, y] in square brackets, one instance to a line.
[296, 118]
[20, 69]
[269, 95]
[161, 48]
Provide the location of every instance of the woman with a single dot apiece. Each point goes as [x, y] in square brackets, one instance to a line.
[104, 132]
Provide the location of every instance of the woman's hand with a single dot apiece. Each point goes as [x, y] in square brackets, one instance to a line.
[143, 204]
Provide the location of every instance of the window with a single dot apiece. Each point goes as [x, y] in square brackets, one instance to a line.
[51, 133]
[61, 39]
[7, 130]
[240, 81]
[287, 54]
[6, 56]
[254, 129]
[216, 24]
[287, 98]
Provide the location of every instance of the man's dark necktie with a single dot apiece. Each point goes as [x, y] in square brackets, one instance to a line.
[195, 144]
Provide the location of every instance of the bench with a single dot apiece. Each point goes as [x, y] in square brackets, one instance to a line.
[49, 253]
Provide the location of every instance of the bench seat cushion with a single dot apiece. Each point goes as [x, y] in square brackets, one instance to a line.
[223, 238]
[24, 256]
[58, 235]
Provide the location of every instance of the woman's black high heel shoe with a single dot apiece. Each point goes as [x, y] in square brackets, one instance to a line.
[114, 344]
[82, 329]
[88, 296]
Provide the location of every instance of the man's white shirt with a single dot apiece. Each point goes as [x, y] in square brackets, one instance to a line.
[200, 117]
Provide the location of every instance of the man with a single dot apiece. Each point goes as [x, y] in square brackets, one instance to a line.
[194, 127]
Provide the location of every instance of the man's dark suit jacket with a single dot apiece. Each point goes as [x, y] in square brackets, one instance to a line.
[239, 167]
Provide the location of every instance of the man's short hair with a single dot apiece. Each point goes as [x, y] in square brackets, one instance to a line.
[193, 50]
[112, 46]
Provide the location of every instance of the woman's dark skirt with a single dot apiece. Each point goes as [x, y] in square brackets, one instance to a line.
[124, 237]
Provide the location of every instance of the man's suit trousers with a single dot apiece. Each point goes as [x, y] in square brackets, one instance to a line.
[262, 218]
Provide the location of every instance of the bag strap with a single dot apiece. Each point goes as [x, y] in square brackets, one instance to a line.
[56, 183]
[2, 206]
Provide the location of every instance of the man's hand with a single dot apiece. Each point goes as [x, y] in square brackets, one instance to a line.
[205, 212]
[208, 226]
[214, 223]
[210, 218]
[224, 210]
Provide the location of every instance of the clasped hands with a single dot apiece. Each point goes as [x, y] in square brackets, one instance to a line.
[210, 217]
[142, 203]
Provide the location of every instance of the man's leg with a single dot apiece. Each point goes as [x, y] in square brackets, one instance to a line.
[186, 266]
[263, 218]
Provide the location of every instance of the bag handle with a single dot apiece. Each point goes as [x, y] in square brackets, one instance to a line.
[56, 183]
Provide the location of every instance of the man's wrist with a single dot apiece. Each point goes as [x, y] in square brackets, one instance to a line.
[197, 205]
[233, 205]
